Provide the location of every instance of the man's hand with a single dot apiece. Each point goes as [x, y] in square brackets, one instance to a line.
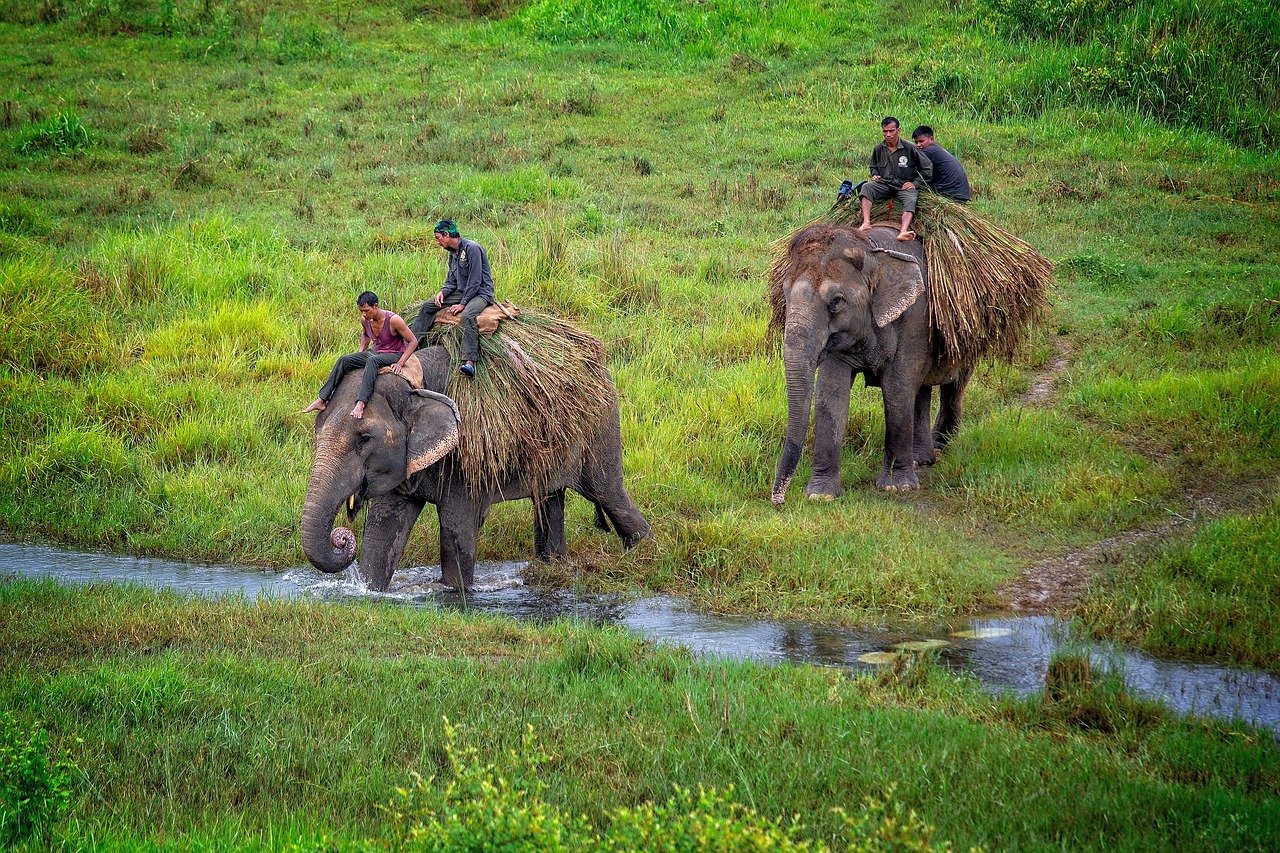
[909, 185]
[455, 309]
[397, 367]
[875, 177]
[439, 300]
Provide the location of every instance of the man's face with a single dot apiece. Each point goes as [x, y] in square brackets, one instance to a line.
[923, 142]
[370, 312]
[442, 240]
[890, 134]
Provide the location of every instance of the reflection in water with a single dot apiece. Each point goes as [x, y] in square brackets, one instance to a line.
[1003, 653]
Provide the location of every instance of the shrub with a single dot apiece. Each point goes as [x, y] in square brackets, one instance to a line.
[61, 133]
[481, 808]
[34, 789]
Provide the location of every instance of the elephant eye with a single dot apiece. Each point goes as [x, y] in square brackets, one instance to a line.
[364, 437]
[836, 303]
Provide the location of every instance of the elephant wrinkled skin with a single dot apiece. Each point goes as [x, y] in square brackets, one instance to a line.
[401, 456]
[857, 304]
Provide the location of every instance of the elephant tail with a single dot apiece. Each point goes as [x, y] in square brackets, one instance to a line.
[602, 522]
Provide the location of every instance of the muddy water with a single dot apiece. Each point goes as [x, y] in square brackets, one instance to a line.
[1003, 653]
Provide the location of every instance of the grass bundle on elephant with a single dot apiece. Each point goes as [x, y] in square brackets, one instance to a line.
[538, 391]
[986, 286]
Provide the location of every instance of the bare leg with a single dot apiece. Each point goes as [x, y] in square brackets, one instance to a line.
[317, 405]
[358, 411]
[906, 233]
[866, 215]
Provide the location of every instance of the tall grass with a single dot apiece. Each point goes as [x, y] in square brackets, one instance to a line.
[1165, 59]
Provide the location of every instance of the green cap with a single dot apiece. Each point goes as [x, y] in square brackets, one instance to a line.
[447, 226]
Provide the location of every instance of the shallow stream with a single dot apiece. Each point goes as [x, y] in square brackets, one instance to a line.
[1004, 653]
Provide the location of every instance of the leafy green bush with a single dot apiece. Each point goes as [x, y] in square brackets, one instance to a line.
[480, 808]
[61, 133]
[34, 790]
[1165, 59]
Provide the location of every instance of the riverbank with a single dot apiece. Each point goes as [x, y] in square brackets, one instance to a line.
[236, 723]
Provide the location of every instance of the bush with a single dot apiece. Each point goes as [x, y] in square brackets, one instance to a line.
[1165, 60]
[34, 789]
[480, 808]
[61, 133]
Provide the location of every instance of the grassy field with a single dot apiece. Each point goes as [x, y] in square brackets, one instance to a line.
[193, 192]
[231, 724]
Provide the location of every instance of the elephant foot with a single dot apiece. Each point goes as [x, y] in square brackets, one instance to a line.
[823, 490]
[902, 480]
[925, 458]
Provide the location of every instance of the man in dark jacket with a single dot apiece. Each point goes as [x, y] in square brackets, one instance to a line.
[949, 178]
[467, 290]
[896, 166]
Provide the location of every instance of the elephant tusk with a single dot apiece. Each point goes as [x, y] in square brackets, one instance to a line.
[351, 503]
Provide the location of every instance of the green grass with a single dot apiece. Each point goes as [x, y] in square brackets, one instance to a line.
[177, 289]
[230, 723]
[1215, 594]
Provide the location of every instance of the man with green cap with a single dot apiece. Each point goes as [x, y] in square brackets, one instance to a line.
[467, 290]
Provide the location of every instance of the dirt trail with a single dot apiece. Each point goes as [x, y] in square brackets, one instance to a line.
[1045, 382]
[1056, 584]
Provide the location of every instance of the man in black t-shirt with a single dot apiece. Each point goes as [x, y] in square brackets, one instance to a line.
[949, 178]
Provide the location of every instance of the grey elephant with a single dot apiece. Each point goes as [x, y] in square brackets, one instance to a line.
[402, 455]
[853, 304]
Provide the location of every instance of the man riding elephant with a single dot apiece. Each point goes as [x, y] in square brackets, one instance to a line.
[896, 165]
[467, 290]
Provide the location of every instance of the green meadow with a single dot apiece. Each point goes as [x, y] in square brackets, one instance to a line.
[193, 192]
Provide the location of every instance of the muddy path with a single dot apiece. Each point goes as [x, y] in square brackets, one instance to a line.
[1055, 585]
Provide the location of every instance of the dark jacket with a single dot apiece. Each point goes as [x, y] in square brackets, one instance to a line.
[895, 168]
[469, 272]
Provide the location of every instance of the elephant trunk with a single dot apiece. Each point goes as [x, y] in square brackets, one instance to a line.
[327, 489]
[801, 347]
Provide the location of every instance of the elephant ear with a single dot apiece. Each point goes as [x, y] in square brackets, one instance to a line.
[433, 430]
[895, 285]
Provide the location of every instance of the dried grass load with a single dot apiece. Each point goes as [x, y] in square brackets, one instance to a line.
[986, 286]
[540, 388]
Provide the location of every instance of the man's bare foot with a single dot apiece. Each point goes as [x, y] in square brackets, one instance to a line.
[906, 236]
[866, 226]
[358, 411]
[316, 406]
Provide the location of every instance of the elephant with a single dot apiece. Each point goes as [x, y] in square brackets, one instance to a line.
[853, 304]
[402, 455]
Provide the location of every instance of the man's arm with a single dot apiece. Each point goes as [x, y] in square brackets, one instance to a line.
[450, 280]
[403, 330]
[365, 340]
[925, 167]
[475, 274]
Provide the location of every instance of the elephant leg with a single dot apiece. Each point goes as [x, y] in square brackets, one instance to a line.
[831, 419]
[950, 408]
[386, 530]
[898, 472]
[924, 453]
[459, 528]
[548, 527]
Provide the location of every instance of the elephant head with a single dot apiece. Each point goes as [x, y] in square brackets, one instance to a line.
[843, 297]
[358, 459]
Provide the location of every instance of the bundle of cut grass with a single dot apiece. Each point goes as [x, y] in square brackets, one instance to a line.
[540, 388]
[986, 286]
